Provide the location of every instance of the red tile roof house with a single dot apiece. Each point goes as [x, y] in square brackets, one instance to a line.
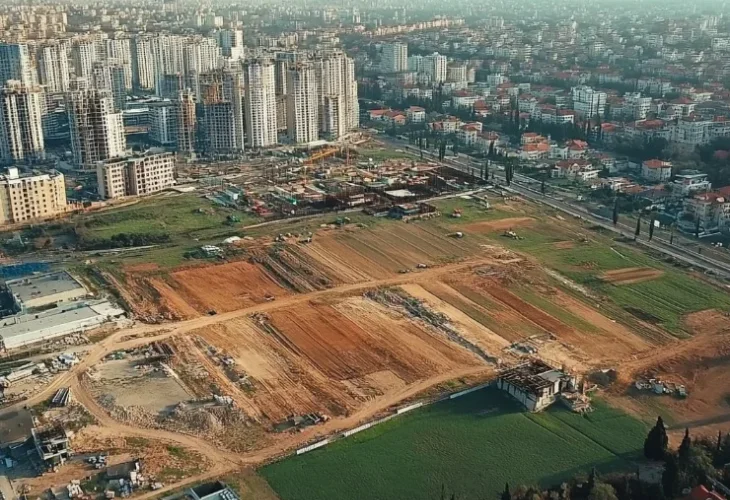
[656, 170]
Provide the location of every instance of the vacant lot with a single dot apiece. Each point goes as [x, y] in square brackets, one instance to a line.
[472, 446]
[331, 358]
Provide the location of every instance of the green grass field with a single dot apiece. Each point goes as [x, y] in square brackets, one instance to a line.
[667, 299]
[472, 446]
[472, 210]
[175, 215]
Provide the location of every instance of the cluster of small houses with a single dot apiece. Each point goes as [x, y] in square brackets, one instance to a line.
[653, 179]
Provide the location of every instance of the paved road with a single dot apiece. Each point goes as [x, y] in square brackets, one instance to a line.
[521, 185]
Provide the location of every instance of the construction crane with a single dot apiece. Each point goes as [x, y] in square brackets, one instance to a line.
[321, 155]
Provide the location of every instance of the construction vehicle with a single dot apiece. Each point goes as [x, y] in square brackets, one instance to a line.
[421, 266]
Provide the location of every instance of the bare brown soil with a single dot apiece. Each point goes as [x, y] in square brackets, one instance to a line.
[225, 287]
[500, 225]
[631, 275]
[330, 358]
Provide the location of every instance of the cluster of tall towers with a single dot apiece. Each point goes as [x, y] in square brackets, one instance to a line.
[215, 95]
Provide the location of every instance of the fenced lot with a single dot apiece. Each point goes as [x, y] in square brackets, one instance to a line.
[472, 446]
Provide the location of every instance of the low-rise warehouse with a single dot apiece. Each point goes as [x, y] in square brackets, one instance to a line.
[17, 331]
[46, 289]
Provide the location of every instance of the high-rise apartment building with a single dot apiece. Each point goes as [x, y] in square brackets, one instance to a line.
[186, 121]
[434, 66]
[337, 87]
[588, 102]
[118, 51]
[31, 197]
[143, 63]
[222, 106]
[109, 76]
[456, 72]
[53, 67]
[83, 57]
[302, 111]
[97, 129]
[15, 63]
[394, 58]
[231, 43]
[135, 176]
[21, 124]
[164, 123]
[260, 103]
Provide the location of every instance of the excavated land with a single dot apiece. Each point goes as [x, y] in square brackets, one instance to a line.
[276, 269]
[328, 358]
[379, 252]
[500, 225]
[702, 365]
[631, 275]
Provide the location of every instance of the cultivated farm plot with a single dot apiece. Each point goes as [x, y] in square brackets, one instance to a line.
[332, 358]
[449, 443]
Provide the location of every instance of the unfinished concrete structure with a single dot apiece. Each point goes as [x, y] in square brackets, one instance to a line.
[52, 446]
[535, 384]
[97, 129]
[186, 120]
[222, 106]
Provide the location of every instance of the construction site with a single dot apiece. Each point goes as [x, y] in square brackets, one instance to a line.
[307, 328]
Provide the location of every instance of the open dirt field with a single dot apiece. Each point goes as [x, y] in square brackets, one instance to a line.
[500, 225]
[630, 275]
[128, 385]
[702, 365]
[225, 287]
[331, 358]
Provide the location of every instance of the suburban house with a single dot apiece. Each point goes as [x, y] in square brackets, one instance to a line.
[656, 170]
[536, 385]
[535, 151]
[416, 114]
[712, 209]
[690, 181]
[575, 169]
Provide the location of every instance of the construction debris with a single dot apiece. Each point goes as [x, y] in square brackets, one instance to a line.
[418, 309]
[62, 397]
[658, 386]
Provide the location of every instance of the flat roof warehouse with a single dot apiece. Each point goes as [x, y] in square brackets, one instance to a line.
[38, 291]
[65, 309]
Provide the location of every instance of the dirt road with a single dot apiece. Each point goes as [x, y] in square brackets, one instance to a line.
[223, 462]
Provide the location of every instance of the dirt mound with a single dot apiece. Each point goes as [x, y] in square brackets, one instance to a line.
[631, 275]
[500, 225]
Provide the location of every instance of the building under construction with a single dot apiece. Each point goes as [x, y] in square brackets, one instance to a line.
[535, 384]
[221, 127]
[187, 121]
